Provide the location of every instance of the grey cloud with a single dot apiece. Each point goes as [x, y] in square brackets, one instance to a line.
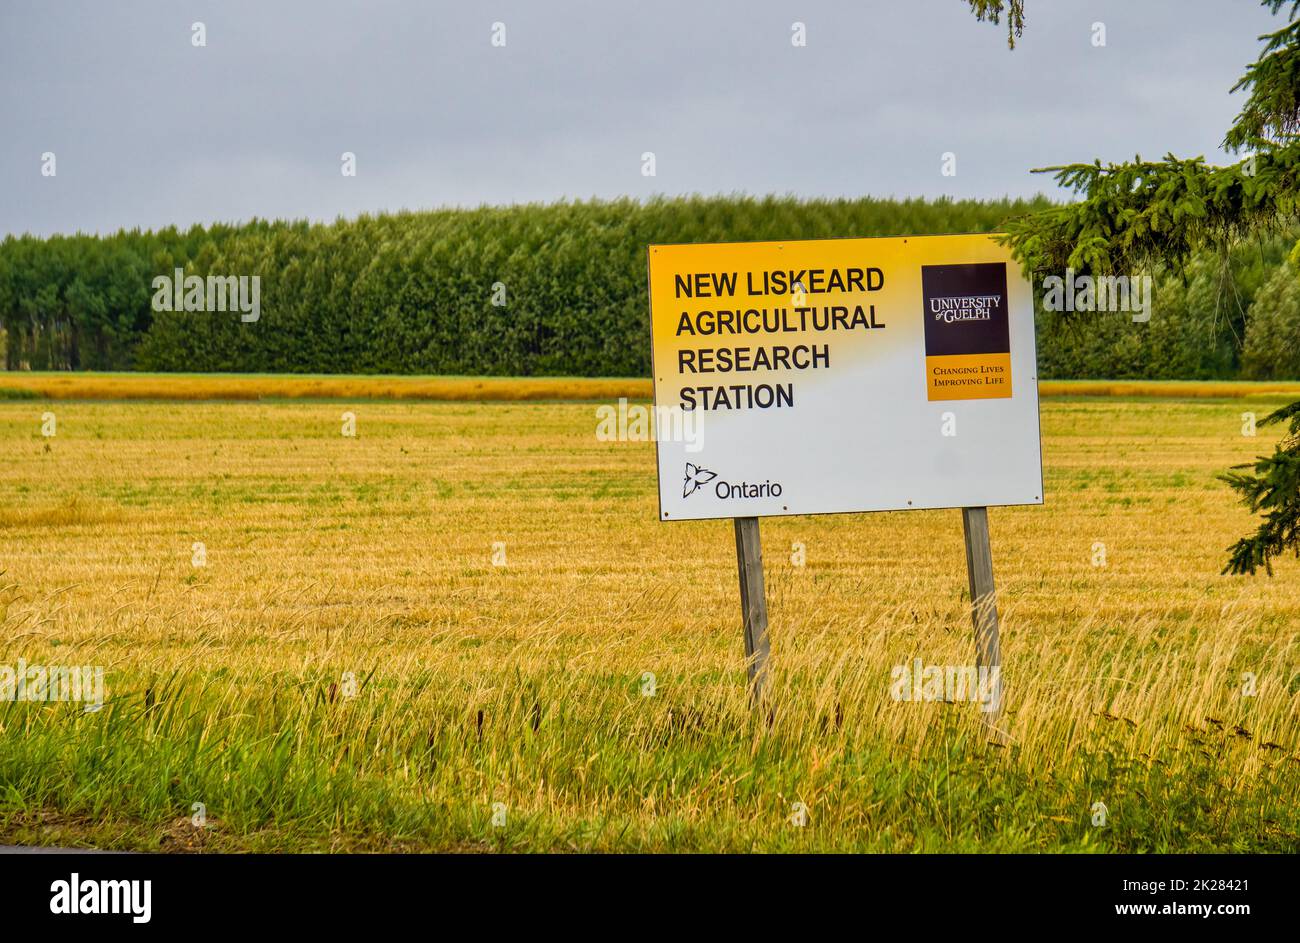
[150, 131]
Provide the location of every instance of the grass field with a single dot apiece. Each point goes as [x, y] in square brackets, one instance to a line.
[191, 387]
[217, 387]
[518, 689]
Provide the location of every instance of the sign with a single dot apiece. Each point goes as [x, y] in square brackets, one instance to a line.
[843, 375]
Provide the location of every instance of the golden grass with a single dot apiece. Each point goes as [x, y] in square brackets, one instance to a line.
[1171, 389]
[70, 512]
[188, 387]
[217, 387]
[372, 555]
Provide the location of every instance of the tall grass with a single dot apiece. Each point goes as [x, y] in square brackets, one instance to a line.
[333, 561]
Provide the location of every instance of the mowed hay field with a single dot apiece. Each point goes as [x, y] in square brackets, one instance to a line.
[519, 691]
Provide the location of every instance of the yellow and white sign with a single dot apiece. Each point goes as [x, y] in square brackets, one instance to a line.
[843, 375]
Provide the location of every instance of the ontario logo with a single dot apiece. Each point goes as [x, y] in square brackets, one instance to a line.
[697, 476]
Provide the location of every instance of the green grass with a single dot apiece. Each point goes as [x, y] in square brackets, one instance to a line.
[330, 557]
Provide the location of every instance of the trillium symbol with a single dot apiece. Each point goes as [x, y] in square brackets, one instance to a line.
[696, 476]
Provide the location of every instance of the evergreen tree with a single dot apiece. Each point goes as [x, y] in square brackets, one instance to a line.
[1143, 215]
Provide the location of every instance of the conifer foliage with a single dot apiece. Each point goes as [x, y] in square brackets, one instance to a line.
[1144, 215]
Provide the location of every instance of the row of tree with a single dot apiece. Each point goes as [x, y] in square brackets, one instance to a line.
[555, 289]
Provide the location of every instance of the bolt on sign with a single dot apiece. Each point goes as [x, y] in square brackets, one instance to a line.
[843, 375]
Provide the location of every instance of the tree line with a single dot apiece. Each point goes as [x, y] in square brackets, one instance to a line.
[556, 289]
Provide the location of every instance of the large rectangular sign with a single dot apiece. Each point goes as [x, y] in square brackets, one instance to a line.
[843, 375]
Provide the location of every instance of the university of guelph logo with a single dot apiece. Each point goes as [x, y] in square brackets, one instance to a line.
[965, 309]
[967, 331]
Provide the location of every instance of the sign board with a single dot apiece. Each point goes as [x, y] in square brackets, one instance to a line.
[843, 375]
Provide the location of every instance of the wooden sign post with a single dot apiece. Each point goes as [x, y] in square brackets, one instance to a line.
[979, 571]
[983, 595]
[753, 604]
[983, 605]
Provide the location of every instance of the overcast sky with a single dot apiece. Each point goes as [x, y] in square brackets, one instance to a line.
[148, 129]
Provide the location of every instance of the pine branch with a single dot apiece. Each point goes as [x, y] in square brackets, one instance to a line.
[1138, 215]
[992, 11]
[1272, 112]
[1273, 488]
